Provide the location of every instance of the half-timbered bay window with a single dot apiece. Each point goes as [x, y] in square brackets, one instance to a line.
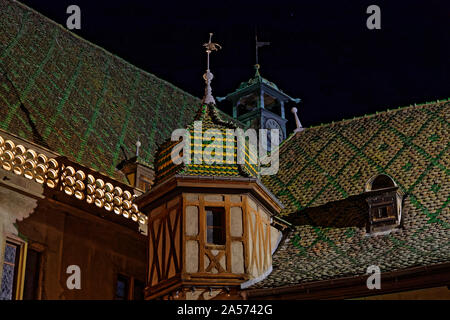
[385, 203]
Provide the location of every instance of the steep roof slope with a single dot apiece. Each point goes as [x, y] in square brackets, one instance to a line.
[334, 161]
[77, 99]
[323, 172]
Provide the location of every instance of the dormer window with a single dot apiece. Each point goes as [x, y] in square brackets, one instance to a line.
[382, 208]
[385, 204]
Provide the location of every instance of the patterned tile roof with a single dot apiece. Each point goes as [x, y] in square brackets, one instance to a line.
[79, 100]
[213, 122]
[323, 172]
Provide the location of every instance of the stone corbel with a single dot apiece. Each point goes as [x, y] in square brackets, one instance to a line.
[18, 199]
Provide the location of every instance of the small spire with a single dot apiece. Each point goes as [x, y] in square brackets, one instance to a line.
[138, 146]
[297, 120]
[208, 76]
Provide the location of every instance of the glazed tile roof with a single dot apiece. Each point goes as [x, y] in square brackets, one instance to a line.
[213, 122]
[77, 99]
[323, 172]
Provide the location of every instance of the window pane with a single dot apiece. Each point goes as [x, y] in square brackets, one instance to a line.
[382, 212]
[390, 211]
[10, 253]
[215, 217]
[139, 287]
[209, 235]
[32, 275]
[218, 236]
[209, 218]
[9, 271]
[215, 222]
[6, 291]
[122, 288]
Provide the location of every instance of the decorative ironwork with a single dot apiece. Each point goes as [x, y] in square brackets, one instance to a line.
[208, 76]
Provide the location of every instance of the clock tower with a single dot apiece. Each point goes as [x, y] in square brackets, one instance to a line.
[260, 104]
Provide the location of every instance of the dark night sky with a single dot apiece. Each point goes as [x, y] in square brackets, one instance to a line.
[321, 51]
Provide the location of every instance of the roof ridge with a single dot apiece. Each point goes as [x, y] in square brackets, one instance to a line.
[25, 7]
[378, 113]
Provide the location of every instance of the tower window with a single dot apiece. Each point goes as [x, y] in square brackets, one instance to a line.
[215, 225]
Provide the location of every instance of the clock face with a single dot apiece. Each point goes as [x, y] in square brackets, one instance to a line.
[273, 124]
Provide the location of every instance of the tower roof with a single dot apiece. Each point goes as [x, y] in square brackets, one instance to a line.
[214, 129]
[257, 82]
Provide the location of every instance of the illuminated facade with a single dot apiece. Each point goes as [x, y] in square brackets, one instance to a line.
[86, 180]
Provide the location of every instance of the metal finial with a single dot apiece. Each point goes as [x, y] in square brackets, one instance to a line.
[297, 120]
[208, 76]
[138, 145]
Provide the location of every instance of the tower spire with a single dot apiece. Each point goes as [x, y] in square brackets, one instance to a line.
[208, 76]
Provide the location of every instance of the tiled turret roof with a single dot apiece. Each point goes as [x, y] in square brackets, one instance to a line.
[214, 122]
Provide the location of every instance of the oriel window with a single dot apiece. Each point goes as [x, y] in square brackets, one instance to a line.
[215, 225]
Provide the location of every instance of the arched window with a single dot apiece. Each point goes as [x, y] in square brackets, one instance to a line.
[381, 181]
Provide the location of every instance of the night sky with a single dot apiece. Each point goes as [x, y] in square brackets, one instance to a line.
[321, 51]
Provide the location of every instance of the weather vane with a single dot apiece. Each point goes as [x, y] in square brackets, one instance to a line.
[208, 76]
[258, 44]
